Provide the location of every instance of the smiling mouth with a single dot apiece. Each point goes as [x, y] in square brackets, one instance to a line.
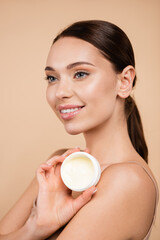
[68, 113]
[70, 110]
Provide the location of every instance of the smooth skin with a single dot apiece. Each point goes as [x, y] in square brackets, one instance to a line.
[124, 204]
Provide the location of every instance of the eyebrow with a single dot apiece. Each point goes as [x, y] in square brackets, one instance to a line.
[70, 66]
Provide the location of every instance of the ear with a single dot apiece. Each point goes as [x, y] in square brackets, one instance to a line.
[126, 81]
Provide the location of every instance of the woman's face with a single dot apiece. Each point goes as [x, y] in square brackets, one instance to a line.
[82, 85]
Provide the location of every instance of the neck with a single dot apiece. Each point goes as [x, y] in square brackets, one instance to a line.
[109, 143]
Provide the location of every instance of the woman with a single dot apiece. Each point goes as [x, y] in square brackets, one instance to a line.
[91, 72]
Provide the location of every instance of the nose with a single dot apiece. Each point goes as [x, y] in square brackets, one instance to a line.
[64, 90]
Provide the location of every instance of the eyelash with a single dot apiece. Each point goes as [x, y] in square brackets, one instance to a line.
[48, 78]
[81, 72]
[52, 79]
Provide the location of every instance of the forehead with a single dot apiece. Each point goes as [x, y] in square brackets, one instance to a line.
[70, 49]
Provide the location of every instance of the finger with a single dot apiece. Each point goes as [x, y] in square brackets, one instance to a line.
[59, 181]
[85, 197]
[57, 170]
[54, 160]
[68, 152]
[41, 172]
[87, 150]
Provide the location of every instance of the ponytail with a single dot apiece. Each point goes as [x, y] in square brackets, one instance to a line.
[135, 128]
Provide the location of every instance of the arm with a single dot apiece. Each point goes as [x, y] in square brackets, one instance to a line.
[20, 212]
[122, 208]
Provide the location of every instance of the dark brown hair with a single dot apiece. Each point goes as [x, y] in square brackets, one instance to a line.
[115, 46]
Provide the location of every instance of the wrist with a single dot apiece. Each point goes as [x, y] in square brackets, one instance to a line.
[38, 228]
[23, 233]
[31, 230]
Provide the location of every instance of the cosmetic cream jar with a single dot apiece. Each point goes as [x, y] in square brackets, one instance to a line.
[79, 171]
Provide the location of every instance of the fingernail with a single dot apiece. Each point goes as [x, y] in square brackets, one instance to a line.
[95, 191]
[49, 162]
[64, 155]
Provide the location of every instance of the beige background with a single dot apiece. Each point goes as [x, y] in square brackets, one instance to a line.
[29, 130]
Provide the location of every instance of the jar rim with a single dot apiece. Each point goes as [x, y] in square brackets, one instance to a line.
[97, 170]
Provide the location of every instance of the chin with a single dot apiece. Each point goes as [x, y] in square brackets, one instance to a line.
[73, 130]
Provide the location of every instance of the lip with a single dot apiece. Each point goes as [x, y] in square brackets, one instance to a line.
[70, 115]
[68, 106]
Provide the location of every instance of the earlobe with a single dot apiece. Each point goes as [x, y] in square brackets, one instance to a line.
[126, 81]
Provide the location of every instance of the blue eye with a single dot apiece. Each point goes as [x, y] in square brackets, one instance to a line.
[51, 79]
[81, 74]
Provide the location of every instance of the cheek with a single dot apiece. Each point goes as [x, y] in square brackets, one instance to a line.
[100, 92]
[50, 96]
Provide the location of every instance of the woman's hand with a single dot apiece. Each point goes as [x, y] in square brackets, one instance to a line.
[55, 204]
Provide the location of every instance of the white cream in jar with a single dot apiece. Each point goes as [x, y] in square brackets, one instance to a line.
[80, 171]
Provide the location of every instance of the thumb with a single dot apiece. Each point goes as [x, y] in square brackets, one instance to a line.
[85, 197]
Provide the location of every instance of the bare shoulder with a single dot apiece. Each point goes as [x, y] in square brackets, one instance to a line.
[130, 180]
[125, 201]
[132, 175]
[130, 184]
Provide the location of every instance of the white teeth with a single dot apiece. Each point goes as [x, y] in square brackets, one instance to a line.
[69, 110]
